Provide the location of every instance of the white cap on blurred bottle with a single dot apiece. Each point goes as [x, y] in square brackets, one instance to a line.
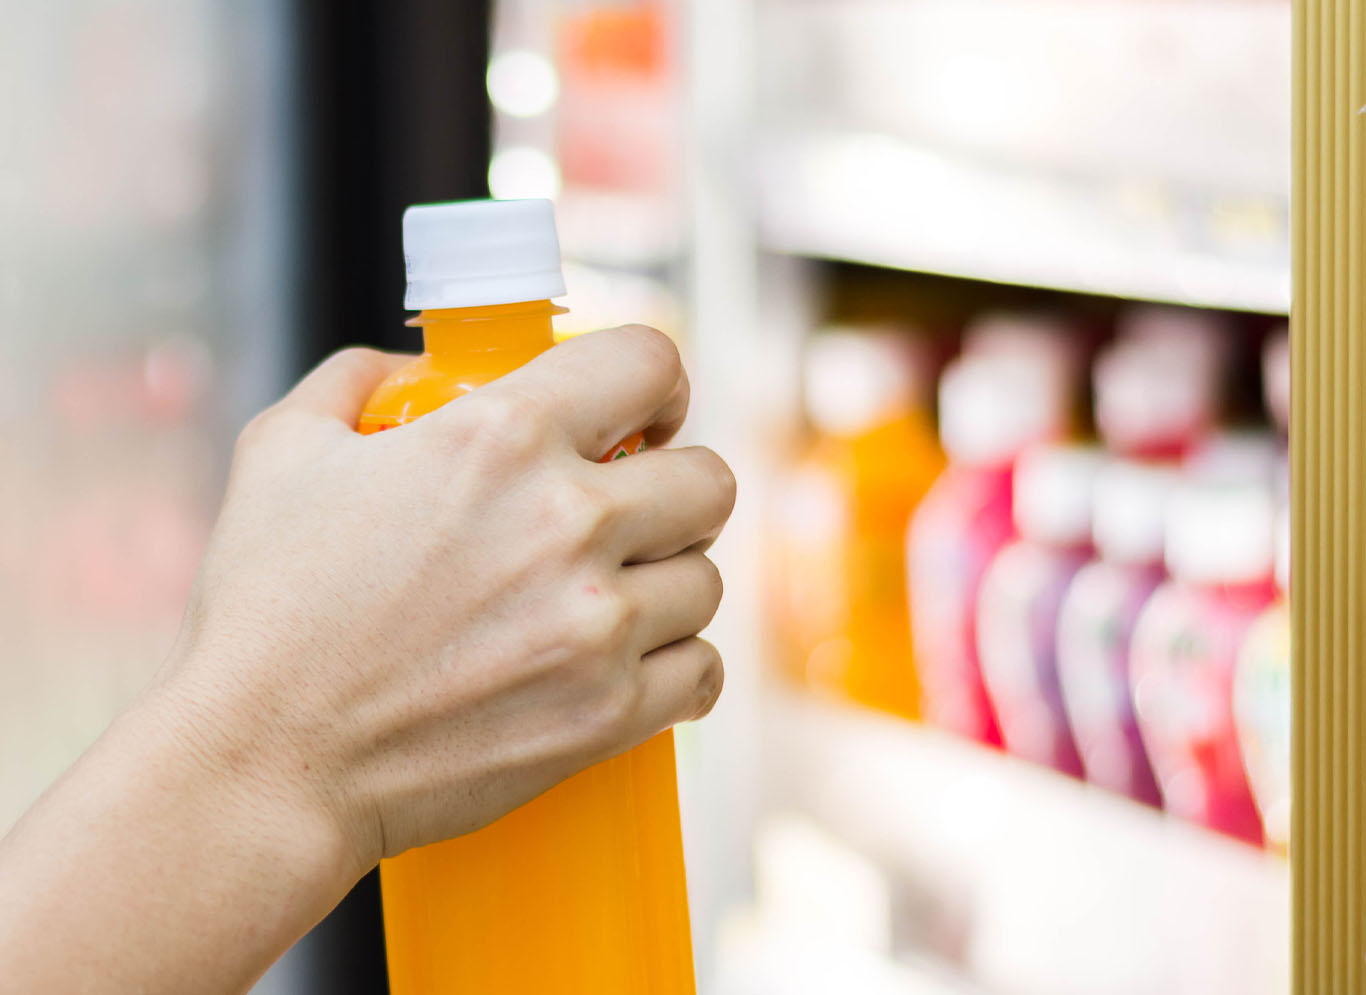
[1276, 378]
[479, 252]
[1236, 457]
[1220, 533]
[1048, 343]
[1148, 398]
[991, 408]
[1130, 515]
[856, 378]
[1199, 336]
[1054, 493]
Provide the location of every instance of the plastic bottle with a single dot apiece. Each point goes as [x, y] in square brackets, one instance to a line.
[1218, 551]
[1156, 401]
[1261, 703]
[991, 408]
[1096, 623]
[1022, 592]
[581, 890]
[841, 516]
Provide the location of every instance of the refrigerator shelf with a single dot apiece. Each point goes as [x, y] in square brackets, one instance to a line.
[1028, 881]
[1127, 148]
[874, 199]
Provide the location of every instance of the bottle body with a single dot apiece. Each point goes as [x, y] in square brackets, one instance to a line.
[954, 534]
[1095, 628]
[1185, 648]
[582, 889]
[1261, 708]
[1017, 617]
[841, 522]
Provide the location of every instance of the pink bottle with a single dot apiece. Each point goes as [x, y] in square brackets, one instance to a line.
[992, 407]
[1218, 551]
[1022, 592]
[1097, 619]
[1157, 394]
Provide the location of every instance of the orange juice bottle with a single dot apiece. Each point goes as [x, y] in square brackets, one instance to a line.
[580, 890]
[840, 517]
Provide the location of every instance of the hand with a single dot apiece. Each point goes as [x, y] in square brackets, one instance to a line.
[419, 630]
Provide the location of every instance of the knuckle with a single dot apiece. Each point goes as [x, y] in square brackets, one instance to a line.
[581, 513]
[501, 422]
[603, 624]
[711, 679]
[660, 351]
[723, 477]
[713, 585]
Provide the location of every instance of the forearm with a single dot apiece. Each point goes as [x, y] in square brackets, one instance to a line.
[164, 861]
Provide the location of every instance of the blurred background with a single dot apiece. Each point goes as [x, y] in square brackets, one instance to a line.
[985, 302]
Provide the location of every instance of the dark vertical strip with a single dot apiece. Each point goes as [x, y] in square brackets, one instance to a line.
[391, 111]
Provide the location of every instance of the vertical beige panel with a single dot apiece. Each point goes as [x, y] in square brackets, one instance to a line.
[1328, 432]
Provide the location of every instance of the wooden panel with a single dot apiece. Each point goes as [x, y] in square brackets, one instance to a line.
[1329, 873]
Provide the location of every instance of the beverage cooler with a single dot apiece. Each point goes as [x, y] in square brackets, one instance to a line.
[988, 304]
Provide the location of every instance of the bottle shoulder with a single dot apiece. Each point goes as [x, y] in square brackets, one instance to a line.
[414, 390]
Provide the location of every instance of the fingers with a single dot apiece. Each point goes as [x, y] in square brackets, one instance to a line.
[673, 599]
[606, 386]
[340, 385]
[681, 682]
[668, 500]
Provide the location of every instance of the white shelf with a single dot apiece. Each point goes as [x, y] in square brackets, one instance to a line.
[879, 200]
[1128, 148]
[1031, 882]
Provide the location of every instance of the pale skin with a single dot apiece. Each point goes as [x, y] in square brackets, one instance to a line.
[392, 640]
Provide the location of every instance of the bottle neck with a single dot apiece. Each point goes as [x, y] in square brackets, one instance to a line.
[515, 331]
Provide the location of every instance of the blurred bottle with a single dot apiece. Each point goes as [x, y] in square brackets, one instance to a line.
[1261, 702]
[1218, 550]
[1097, 619]
[992, 406]
[1022, 592]
[1157, 399]
[841, 514]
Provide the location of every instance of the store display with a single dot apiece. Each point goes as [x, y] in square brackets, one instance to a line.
[1261, 703]
[1218, 550]
[1096, 622]
[991, 408]
[1022, 592]
[588, 876]
[840, 516]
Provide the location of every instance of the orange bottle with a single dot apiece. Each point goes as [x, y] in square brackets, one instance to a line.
[841, 514]
[581, 890]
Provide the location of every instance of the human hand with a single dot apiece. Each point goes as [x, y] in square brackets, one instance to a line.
[411, 633]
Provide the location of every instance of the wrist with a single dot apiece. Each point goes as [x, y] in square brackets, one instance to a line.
[250, 787]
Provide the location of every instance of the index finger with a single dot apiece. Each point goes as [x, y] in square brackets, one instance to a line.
[606, 386]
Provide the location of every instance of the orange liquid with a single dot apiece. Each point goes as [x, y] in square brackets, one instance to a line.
[841, 568]
[581, 890]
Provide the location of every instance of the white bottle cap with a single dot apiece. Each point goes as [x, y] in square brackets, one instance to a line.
[857, 378]
[1054, 493]
[991, 407]
[1147, 395]
[1131, 511]
[1220, 532]
[479, 252]
[1236, 457]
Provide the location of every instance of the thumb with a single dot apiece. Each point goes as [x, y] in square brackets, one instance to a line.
[339, 386]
